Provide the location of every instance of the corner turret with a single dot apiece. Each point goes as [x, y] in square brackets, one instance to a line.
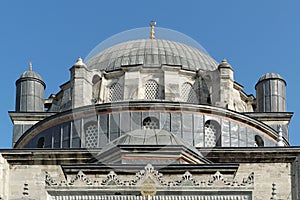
[29, 109]
[271, 93]
[30, 92]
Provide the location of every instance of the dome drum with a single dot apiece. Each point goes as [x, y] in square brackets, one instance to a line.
[200, 126]
[138, 83]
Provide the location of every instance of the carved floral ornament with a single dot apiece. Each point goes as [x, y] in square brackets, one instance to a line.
[149, 173]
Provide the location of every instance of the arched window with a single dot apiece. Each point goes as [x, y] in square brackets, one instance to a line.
[259, 141]
[91, 135]
[151, 90]
[96, 79]
[150, 123]
[115, 92]
[41, 142]
[205, 94]
[212, 131]
[188, 93]
[96, 88]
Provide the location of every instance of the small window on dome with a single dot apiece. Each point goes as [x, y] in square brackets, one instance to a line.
[150, 123]
[151, 90]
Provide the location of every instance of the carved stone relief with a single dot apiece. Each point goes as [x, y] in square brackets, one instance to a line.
[187, 179]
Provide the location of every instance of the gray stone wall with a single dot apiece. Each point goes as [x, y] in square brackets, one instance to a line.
[296, 178]
[29, 181]
[18, 130]
[265, 174]
[4, 179]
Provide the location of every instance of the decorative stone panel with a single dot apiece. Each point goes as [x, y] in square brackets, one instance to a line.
[214, 187]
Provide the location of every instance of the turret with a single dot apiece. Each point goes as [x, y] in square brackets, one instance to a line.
[81, 84]
[30, 92]
[271, 93]
[226, 85]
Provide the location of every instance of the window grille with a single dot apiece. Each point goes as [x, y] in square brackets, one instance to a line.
[212, 134]
[188, 93]
[115, 92]
[150, 123]
[151, 90]
[91, 136]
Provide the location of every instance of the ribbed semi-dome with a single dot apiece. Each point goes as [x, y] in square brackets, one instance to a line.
[135, 144]
[154, 137]
[149, 137]
[152, 53]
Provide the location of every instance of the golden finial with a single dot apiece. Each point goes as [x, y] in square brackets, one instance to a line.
[152, 25]
[30, 66]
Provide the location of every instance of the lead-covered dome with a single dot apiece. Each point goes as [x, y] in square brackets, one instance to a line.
[152, 53]
[31, 74]
[268, 76]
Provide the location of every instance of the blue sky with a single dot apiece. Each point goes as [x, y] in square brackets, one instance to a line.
[255, 36]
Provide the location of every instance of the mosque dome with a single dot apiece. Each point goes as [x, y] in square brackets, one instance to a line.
[152, 53]
[172, 87]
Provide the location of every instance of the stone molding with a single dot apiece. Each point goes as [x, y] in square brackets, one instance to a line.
[216, 180]
[165, 197]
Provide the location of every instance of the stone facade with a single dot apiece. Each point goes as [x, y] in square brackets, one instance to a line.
[150, 119]
[60, 175]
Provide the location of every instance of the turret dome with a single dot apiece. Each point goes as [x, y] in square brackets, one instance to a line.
[31, 74]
